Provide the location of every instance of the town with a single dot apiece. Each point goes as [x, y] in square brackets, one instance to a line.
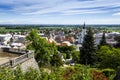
[61, 37]
[69, 41]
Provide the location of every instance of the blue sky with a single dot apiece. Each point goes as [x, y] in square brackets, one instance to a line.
[59, 11]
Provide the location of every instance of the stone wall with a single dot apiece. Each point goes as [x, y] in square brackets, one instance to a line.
[25, 60]
[31, 63]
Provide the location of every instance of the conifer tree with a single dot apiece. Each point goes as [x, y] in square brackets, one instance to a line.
[103, 40]
[88, 51]
[117, 38]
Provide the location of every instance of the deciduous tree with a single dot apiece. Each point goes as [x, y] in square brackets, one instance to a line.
[42, 48]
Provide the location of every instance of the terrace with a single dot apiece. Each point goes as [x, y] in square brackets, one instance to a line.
[11, 58]
[5, 57]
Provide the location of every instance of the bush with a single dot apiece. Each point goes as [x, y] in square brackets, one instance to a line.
[109, 73]
[108, 57]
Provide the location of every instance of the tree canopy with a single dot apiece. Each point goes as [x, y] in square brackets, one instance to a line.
[88, 51]
[108, 57]
[42, 48]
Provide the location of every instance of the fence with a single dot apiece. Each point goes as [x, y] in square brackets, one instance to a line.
[15, 61]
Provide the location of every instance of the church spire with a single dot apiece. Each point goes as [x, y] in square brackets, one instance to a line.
[83, 33]
[84, 26]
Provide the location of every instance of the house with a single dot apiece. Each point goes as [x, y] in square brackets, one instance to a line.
[109, 37]
[71, 39]
[41, 34]
[66, 43]
[5, 38]
[17, 45]
[51, 40]
[18, 38]
[59, 38]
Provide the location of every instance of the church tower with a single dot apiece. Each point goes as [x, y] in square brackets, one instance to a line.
[83, 33]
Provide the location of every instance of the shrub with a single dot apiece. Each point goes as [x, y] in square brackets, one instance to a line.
[108, 72]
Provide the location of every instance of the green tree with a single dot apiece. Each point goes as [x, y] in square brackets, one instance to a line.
[67, 50]
[102, 41]
[117, 38]
[108, 57]
[33, 39]
[75, 56]
[56, 60]
[42, 48]
[88, 51]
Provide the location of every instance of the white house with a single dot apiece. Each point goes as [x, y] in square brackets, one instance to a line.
[17, 45]
[19, 38]
[5, 38]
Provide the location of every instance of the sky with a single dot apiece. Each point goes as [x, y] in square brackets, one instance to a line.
[59, 11]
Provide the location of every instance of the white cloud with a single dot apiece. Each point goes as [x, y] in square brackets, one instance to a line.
[117, 14]
[39, 8]
[30, 7]
[73, 12]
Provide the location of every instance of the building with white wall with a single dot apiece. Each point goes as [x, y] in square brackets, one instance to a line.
[82, 34]
[5, 38]
[19, 38]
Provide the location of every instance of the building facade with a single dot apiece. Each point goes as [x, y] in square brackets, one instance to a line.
[82, 34]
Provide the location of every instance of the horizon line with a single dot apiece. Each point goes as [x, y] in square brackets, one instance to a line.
[57, 24]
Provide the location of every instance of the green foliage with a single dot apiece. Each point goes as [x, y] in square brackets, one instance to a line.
[6, 74]
[102, 41]
[32, 74]
[117, 38]
[18, 74]
[56, 60]
[64, 55]
[108, 57]
[56, 74]
[110, 73]
[82, 73]
[88, 51]
[44, 75]
[75, 56]
[77, 72]
[67, 50]
[42, 48]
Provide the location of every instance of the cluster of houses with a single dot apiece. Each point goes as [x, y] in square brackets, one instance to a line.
[59, 37]
[12, 40]
[110, 37]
